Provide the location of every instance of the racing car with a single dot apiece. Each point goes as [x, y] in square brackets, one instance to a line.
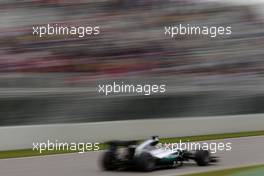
[148, 156]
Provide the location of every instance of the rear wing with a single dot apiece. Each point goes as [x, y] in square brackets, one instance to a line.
[122, 143]
[114, 145]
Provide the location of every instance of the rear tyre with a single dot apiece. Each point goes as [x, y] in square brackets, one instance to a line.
[108, 161]
[202, 157]
[145, 162]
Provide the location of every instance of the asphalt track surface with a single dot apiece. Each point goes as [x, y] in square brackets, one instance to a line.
[245, 151]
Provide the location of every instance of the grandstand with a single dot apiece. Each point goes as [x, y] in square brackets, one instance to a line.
[54, 79]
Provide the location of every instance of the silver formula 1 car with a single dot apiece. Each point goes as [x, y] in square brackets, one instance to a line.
[148, 156]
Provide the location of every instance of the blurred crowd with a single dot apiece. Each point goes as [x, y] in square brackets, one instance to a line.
[44, 80]
[132, 38]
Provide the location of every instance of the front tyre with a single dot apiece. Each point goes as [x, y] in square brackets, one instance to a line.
[202, 157]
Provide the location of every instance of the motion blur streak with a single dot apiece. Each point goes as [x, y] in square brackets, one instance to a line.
[53, 79]
[87, 164]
